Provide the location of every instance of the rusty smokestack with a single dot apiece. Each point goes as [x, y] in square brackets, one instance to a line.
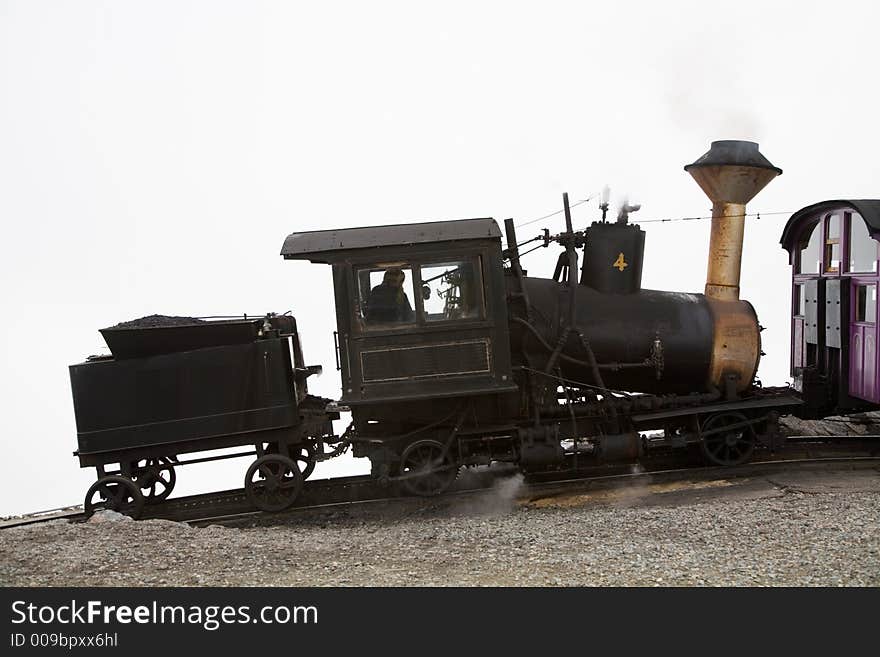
[731, 174]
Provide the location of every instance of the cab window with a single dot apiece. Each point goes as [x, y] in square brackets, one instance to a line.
[385, 295]
[451, 290]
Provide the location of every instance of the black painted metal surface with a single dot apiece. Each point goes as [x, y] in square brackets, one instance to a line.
[186, 401]
[317, 245]
[623, 329]
[613, 256]
[733, 152]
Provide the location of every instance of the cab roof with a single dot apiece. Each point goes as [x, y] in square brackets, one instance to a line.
[319, 245]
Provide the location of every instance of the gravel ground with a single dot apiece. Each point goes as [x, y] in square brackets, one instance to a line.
[802, 531]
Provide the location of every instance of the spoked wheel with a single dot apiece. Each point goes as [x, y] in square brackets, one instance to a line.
[424, 470]
[304, 455]
[156, 477]
[727, 447]
[273, 482]
[115, 493]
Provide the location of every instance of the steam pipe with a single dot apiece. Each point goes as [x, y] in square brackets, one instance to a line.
[512, 246]
[571, 254]
[572, 263]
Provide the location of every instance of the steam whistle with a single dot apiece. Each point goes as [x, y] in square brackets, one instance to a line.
[603, 203]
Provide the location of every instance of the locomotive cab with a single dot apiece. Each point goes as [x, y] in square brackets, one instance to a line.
[420, 309]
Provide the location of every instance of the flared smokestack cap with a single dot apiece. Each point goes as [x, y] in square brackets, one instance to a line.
[732, 171]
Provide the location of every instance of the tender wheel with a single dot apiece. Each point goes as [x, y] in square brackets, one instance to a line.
[156, 478]
[731, 447]
[115, 493]
[273, 482]
[304, 455]
[424, 470]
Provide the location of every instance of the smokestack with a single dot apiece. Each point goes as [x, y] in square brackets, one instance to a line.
[731, 174]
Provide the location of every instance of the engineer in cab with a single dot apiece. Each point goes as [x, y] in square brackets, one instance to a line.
[388, 302]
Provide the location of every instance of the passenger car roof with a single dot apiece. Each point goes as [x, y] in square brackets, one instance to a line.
[869, 209]
[317, 245]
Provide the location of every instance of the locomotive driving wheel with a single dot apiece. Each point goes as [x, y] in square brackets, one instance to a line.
[115, 493]
[156, 478]
[426, 468]
[273, 482]
[731, 446]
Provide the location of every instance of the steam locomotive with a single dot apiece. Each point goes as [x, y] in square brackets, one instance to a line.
[450, 355]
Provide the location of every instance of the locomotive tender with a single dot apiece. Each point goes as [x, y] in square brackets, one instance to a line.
[191, 386]
[450, 355]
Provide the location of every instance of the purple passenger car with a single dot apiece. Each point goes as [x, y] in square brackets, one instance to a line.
[833, 250]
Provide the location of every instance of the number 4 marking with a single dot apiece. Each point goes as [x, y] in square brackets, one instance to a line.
[620, 263]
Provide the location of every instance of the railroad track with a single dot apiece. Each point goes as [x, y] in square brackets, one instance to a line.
[535, 491]
[233, 506]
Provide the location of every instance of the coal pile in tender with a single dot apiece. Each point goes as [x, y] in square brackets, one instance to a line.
[154, 321]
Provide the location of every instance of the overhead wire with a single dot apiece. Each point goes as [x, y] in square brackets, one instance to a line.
[757, 216]
[560, 211]
[671, 219]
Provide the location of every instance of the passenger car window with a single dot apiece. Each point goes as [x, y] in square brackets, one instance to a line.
[800, 296]
[384, 295]
[832, 243]
[810, 258]
[866, 303]
[452, 290]
[862, 247]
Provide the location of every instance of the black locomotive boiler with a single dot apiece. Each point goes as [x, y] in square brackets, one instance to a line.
[450, 355]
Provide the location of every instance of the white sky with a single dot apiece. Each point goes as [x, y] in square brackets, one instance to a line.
[154, 155]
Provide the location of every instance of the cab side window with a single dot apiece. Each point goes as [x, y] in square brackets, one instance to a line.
[452, 290]
[406, 295]
[385, 295]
